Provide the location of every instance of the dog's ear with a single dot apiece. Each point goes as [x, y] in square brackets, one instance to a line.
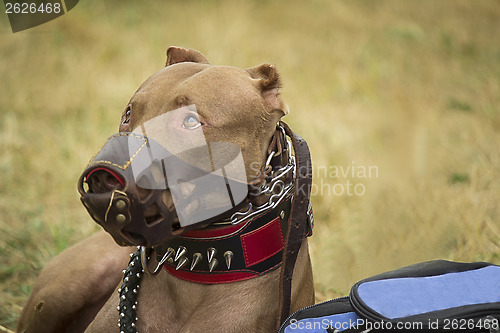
[177, 54]
[269, 83]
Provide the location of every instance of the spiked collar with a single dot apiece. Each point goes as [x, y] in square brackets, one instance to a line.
[229, 253]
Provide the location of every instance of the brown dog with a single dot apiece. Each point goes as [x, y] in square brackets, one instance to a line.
[76, 291]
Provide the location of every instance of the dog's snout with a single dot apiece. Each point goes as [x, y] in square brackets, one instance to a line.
[102, 180]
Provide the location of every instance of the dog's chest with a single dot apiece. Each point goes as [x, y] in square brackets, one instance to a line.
[167, 304]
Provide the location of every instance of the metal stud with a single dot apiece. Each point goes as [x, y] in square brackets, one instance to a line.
[282, 214]
[134, 291]
[123, 297]
[132, 324]
[120, 218]
[210, 254]
[124, 271]
[212, 264]
[228, 255]
[119, 290]
[182, 262]
[126, 279]
[180, 252]
[132, 263]
[122, 314]
[120, 204]
[196, 259]
[118, 308]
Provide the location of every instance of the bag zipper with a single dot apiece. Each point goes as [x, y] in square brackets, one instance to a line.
[308, 307]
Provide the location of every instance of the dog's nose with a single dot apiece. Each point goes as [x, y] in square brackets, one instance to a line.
[102, 180]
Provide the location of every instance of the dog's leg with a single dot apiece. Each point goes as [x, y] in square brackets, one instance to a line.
[73, 287]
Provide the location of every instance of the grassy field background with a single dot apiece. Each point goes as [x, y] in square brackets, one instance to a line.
[409, 90]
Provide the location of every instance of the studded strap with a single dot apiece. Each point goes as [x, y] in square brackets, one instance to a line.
[128, 294]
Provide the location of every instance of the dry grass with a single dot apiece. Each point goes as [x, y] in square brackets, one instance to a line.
[409, 87]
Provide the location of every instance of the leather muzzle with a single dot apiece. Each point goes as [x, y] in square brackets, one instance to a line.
[142, 194]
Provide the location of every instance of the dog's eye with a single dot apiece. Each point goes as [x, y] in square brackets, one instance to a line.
[127, 115]
[191, 122]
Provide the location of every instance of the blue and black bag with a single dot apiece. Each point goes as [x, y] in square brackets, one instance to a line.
[435, 296]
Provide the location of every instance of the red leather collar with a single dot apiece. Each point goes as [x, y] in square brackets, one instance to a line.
[231, 253]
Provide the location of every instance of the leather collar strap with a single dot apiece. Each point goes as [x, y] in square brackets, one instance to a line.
[298, 222]
[231, 253]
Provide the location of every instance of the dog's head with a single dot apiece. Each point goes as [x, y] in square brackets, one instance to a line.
[191, 139]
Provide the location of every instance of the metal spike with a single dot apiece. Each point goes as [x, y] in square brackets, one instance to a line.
[228, 255]
[196, 259]
[166, 256]
[182, 262]
[180, 252]
[210, 254]
[212, 264]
